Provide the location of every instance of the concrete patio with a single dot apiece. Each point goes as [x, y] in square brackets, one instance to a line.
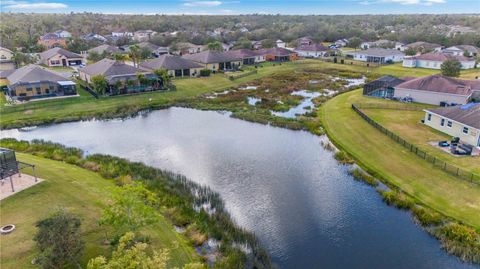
[20, 183]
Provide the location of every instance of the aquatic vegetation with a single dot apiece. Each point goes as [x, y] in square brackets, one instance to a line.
[360, 175]
[343, 158]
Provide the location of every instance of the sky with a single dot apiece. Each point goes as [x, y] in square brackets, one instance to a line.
[232, 7]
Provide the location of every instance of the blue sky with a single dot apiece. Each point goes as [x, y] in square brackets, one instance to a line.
[226, 7]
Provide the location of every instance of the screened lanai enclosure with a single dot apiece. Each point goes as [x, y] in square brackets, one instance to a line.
[11, 168]
[383, 87]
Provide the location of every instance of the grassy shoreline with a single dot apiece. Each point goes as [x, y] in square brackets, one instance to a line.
[179, 199]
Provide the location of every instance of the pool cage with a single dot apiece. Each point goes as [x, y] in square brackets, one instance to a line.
[9, 166]
[383, 87]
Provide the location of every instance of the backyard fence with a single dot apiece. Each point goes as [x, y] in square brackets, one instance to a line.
[435, 161]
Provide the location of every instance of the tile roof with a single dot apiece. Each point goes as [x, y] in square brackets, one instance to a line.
[54, 51]
[209, 56]
[33, 73]
[169, 62]
[468, 114]
[440, 57]
[439, 83]
[423, 44]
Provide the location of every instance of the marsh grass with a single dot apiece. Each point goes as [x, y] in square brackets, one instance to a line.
[362, 176]
[178, 198]
[343, 158]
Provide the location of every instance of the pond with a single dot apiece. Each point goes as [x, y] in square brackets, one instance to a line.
[304, 207]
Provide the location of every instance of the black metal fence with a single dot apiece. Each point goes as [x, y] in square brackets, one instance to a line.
[435, 161]
[242, 75]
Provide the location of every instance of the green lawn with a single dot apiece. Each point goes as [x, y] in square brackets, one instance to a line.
[386, 159]
[83, 193]
[407, 125]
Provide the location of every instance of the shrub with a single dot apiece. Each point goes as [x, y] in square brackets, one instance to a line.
[397, 199]
[205, 72]
[359, 175]
[460, 240]
[427, 217]
[343, 157]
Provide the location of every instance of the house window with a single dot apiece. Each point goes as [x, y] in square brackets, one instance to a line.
[429, 117]
[442, 122]
[29, 89]
[465, 130]
[39, 90]
[449, 123]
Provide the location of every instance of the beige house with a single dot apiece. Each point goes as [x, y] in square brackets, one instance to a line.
[60, 57]
[33, 81]
[459, 121]
[175, 65]
[436, 89]
[6, 59]
[215, 61]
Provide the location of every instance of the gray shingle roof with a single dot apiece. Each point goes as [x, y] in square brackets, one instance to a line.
[169, 62]
[208, 57]
[468, 114]
[33, 73]
[54, 51]
[111, 69]
[105, 47]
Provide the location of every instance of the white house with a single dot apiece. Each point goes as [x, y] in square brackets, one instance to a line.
[312, 51]
[461, 50]
[6, 59]
[458, 121]
[376, 44]
[143, 35]
[399, 46]
[437, 89]
[63, 34]
[281, 44]
[121, 33]
[378, 55]
[421, 46]
[341, 43]
[435, 61]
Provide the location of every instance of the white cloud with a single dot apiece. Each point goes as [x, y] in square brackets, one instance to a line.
[403, 2]
[202, 3]
[27, 5]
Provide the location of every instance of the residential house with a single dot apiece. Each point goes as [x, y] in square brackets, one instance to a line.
[175, 65]
[215, 61]
[458, 121]
[312, 51]
[92, 37]
[382, 43]
[435, 61]
[379, 55]
[437, 90]
[105, 48]
[256, 45]
[399, 46]
[227, 47]
[304, 41]
[341, 43]
[63, 34]
[52, 40]
[280, 44]
[278, 54]
[188, 48]
[243, 30]
[422, 47]
[122, 32]
[6, 59]
[462, 50]
[118, 75]
[34, 81]
[143, 35]
[248, 57]
[60, 57]
[154, 49]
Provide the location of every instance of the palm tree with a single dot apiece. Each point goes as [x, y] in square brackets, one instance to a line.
[135, 54]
